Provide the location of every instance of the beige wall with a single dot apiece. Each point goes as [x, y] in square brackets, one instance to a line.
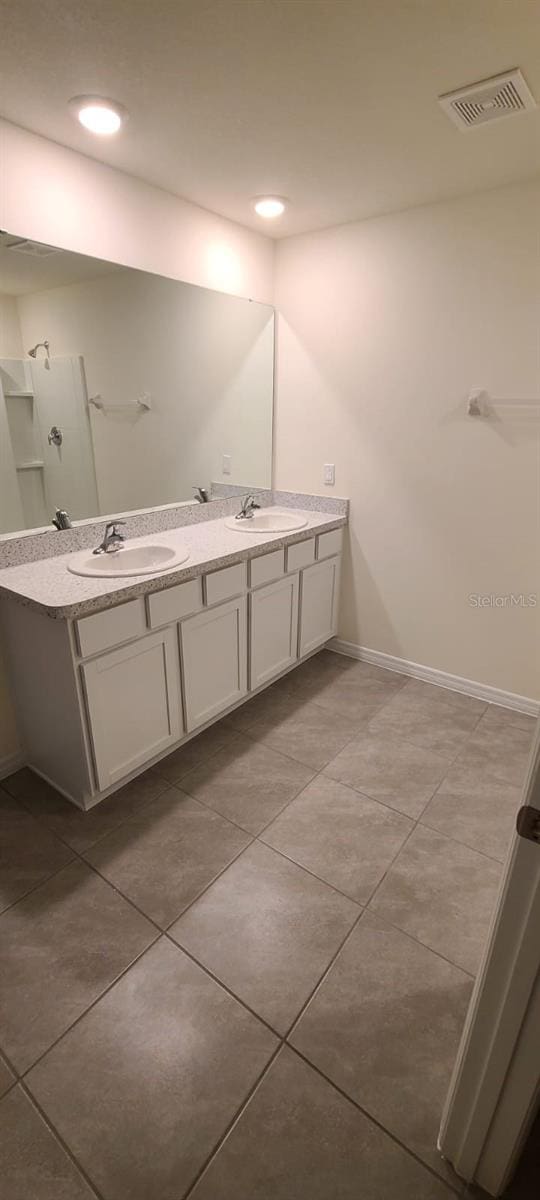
[57, 196]
[384, 327]
[10, 330]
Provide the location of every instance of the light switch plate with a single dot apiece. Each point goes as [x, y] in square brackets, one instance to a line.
[329, 474]
[226, 464]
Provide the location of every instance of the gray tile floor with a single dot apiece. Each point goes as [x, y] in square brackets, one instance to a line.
[245, 975]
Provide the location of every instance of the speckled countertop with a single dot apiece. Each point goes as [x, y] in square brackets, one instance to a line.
[48, 586]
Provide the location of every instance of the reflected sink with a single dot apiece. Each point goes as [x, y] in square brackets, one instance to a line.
[267, 521]
[134, 560]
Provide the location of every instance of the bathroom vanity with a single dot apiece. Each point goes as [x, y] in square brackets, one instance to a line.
[112, 674]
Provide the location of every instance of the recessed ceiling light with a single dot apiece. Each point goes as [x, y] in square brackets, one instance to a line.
[97, 114]
[269, 206]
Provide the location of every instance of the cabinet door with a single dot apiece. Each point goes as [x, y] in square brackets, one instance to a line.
[274, 629]
[319, 604]
[214, 656]
[134, 705]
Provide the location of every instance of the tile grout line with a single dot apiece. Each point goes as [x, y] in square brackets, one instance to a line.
[164, 931]
[376, 800]
[11, 1066]
[224, 986]
[458, 842]
[282, 1039]
[21, 1077]
[234, 1121]
[242, 828]
[234, 734]
[35, 886]
[258, 836]
[284, 1044]
[405, 933]
[41, 819]
[323, 976]
[58, 1138]
[418, 822]
[160, 932]
[407, 679]
[365, 729]
[77, 855]
[373, 1120]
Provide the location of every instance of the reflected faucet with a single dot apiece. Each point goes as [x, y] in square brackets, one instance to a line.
[201, 494]
[61, 519]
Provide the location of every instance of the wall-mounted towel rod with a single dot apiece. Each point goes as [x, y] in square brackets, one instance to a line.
[480, 404]
[142, 403]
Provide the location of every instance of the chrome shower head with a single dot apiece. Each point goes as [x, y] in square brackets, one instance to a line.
[34, 350]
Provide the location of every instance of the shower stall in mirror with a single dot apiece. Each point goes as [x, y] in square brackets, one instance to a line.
[48, 459]
[122, 390]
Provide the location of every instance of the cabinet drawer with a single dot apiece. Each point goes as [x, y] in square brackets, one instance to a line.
[115, 625]
[174, 603]
[266, 568]
[329, 543]
[301, 554]
[223, 585]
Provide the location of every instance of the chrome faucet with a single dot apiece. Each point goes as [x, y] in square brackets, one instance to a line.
[61, 519]
[247, 508]
[112, 539]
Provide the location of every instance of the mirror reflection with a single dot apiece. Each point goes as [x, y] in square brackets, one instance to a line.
[122, 390]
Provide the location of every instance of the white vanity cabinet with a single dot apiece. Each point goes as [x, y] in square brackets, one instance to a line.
[214, 661]
[134, 704]
[104, 695]
[319, 604]
[273, 630]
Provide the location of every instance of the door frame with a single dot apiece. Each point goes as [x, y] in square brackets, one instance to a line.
[494, 1088]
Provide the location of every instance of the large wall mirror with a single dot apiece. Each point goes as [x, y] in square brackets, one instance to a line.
[121, 390]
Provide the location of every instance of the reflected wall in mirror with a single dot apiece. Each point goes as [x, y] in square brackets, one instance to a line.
[122, 390]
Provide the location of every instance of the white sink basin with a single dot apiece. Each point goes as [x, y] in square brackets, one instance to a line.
[131, 560]
[267, 521]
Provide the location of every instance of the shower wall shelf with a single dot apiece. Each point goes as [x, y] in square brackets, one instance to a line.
[19, 395]
[141, 404]
[34, 464]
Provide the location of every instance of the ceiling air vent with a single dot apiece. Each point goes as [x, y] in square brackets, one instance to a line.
[488, 100]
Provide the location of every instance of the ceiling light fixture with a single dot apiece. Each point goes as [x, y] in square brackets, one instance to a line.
[269, 206]
[98, 115]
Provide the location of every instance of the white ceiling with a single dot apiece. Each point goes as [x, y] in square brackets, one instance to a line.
[331, 103]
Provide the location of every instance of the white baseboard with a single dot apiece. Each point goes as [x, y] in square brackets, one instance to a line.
[11, 763]
[482, 691]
